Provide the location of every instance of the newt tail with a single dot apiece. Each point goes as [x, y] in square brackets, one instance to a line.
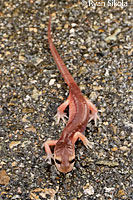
[61, 66]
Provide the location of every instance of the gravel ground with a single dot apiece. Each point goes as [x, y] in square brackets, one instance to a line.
[95, 44]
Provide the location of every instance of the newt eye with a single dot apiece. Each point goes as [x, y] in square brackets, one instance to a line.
[58, 161]
[72, 161]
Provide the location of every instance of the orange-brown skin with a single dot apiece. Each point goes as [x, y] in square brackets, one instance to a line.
[81, 110]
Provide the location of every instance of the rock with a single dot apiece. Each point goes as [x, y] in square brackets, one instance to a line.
[4, 178]
[14, 144]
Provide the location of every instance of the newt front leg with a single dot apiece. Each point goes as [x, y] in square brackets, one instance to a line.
[84, 139]
[47, 145]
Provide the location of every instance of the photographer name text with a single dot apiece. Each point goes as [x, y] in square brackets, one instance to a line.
[109, 3]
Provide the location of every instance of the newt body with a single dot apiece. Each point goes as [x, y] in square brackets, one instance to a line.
[81, 110]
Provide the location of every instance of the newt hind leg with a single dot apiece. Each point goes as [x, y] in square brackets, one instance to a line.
[94, 112]
[60, 111]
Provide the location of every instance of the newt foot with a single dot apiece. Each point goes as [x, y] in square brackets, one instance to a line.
[60, 115]
[48, 158]
[94, 116]
[87, 143]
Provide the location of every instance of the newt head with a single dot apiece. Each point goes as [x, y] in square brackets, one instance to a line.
[64, 156]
